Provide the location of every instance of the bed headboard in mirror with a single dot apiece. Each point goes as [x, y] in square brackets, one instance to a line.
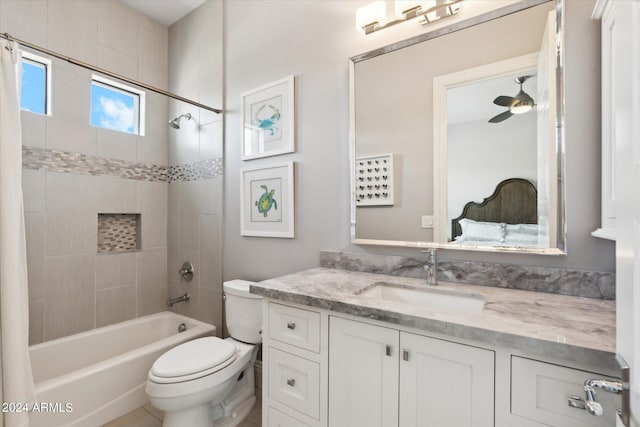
[417, 99]
[514, 202]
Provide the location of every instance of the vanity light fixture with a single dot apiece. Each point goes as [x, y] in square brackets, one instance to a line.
[381, 14]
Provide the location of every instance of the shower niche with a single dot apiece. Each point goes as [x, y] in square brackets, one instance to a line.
[118, 232]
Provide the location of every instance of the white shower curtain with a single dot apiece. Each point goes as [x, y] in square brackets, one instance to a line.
[17, 378]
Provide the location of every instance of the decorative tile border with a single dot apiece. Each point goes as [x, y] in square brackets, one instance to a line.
[46, 159]
[204, 169]
[582, 283]
[66, 162]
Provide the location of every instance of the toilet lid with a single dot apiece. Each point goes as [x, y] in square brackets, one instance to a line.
[192, 357]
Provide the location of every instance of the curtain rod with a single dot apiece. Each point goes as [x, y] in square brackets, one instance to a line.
[107, 73]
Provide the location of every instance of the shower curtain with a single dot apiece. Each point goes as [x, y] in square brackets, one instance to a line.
[17, 378]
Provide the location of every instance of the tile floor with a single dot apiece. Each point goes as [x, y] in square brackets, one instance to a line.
[148, 416]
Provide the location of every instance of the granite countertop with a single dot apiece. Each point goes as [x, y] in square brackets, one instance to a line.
[577, 329]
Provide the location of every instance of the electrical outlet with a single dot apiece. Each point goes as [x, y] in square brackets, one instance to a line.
[427, 221]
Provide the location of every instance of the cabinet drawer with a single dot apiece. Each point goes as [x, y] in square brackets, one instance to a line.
[295, 326]
[539, 392]
[295, 382]
[279, 419]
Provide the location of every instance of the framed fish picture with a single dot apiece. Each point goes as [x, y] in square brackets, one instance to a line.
[267, 201]
[268, 127]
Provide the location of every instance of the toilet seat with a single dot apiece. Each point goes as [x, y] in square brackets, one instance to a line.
[192, 360]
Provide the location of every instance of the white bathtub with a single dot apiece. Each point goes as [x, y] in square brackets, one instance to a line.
[102, 373]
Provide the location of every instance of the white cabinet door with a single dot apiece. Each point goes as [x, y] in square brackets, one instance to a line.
[626, 113]
[621, 151]
[445, 384]
[363, 374]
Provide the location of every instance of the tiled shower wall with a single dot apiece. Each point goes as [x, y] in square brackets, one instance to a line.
[71, 287]
[195, 206]
[73, 171]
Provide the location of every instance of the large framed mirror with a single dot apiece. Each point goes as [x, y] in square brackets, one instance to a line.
[457, 135]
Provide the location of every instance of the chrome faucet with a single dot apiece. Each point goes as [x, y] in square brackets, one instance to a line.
[184, 297]
[621, 387]
[431, 267]
[592, 404]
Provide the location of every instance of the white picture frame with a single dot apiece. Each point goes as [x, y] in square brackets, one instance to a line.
[267, 200]
[268, 120]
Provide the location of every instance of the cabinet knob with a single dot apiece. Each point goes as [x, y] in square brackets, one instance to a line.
[291, 325]
[291, 382]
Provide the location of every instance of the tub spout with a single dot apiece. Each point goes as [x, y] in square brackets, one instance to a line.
[185, 297]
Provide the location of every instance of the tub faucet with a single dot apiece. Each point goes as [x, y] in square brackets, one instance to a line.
[185, 297]
[430, 267]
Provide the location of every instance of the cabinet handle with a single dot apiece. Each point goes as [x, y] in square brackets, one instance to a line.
[576, 402]
[405, 355]
[291, 382]
[388, 350]
[291, 325]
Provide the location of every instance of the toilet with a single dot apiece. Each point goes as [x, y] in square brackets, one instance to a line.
[209, 382]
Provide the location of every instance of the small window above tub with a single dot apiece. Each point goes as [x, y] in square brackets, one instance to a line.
[35, 88]
[116, 106]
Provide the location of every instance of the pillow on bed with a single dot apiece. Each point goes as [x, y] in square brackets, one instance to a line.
[524, 229]
[526, 234]
[483, 231]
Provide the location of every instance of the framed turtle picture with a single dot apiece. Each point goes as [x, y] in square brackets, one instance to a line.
[267, 201]
[268, 125]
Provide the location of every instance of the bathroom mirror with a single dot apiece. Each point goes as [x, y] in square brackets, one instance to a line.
[456, 135]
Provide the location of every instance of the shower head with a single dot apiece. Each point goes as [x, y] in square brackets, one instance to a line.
[175, 123]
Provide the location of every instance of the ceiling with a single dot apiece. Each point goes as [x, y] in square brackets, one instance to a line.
[166, 12]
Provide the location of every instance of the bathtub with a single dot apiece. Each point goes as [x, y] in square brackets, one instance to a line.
[93, 377]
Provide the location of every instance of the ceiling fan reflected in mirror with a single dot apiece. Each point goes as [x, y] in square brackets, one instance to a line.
[521, 103]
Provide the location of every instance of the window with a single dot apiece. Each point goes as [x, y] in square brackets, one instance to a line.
[36, 79]
[116, 106]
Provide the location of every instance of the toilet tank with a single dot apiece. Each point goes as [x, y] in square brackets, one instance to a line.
[243, 311]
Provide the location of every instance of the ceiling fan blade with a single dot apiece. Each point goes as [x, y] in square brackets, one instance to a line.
[500, 117]
[504, 101]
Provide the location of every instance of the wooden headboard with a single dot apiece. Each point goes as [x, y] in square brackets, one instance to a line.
[514, 201]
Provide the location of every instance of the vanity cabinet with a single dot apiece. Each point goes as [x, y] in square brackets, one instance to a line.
[329, 369]
[385, 377]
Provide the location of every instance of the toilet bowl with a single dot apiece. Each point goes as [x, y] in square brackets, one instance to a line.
[209, 381]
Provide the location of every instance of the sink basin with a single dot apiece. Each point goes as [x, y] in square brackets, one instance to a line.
[433, 299]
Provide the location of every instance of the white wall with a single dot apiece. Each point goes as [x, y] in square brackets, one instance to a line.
[475, 165]
[267, 40]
